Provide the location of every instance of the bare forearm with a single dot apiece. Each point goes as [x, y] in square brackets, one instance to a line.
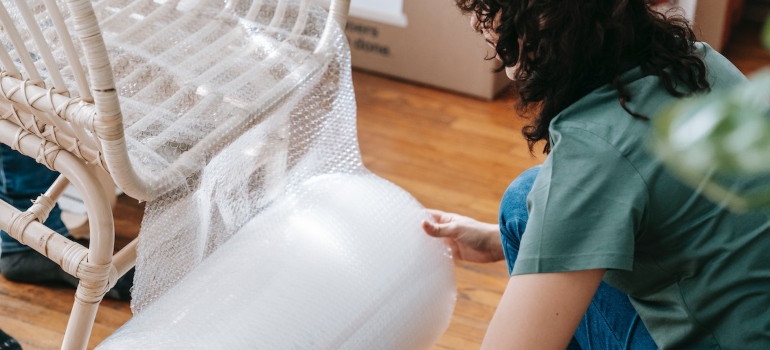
[541, 311]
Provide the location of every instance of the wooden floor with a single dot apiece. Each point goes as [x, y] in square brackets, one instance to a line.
[451, 152]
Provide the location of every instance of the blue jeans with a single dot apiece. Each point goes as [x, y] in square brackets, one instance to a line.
[610, 321]
[22, 179]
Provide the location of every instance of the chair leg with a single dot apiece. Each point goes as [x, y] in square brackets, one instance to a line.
[80, 324]
[93, 266]
[95, 273]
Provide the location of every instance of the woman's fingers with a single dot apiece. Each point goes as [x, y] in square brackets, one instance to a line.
[439, 229]
[438, 215]
[431, 228]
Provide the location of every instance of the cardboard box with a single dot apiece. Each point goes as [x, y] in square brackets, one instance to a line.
[436, 47]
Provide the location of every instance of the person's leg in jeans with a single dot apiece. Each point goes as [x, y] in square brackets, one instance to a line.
[22, 179]
[610, 321]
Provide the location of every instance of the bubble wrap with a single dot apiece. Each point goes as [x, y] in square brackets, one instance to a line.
[326, 267]
[265, 230]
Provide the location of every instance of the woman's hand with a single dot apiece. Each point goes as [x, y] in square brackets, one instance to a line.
[470, 240]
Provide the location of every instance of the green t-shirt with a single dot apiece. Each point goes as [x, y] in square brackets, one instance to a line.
[697, 274]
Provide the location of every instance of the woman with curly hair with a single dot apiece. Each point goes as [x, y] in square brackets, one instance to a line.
[605, 247]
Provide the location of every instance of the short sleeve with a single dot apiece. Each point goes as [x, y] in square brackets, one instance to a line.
[585, 208]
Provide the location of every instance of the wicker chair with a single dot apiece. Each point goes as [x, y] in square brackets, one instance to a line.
[80, 136]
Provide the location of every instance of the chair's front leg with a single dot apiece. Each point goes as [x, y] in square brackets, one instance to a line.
[92, 266]
[95, 271]
[80, 323]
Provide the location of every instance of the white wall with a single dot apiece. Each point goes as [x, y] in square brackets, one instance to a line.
[384, 11]
[389, 12]
[686, 6]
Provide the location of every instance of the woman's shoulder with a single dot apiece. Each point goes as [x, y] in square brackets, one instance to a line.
[600, 117]
[600, 111]
[722, 74]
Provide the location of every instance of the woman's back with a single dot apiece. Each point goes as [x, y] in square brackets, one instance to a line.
[693, 270]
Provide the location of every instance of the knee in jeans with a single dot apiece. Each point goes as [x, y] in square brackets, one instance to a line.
[514, 202]
[513, 208]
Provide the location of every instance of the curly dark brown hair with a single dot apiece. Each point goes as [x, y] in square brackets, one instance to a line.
[564, 49]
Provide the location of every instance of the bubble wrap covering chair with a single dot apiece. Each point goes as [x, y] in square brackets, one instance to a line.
[235, 121]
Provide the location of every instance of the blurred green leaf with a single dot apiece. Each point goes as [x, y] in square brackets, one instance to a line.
[721, 135]
[766, 34]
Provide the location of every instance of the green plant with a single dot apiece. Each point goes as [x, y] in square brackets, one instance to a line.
[710, 139]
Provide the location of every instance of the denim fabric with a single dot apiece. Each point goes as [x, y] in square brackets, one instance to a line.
[610, 321]
[22, 179]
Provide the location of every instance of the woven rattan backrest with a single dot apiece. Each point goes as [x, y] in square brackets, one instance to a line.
[33, 86]
[50, 94]
[31, 13]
